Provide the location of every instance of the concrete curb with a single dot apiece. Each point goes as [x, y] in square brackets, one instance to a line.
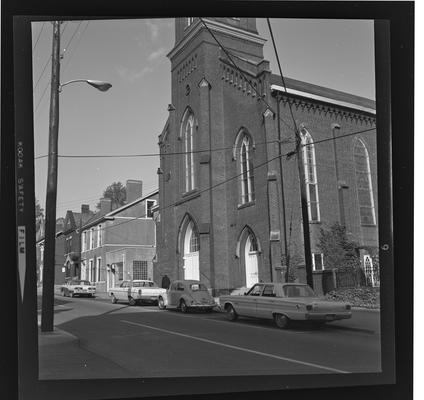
[350, 328]
[58, 336]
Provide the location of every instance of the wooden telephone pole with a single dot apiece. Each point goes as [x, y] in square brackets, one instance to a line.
[305, 213]
[51, 193]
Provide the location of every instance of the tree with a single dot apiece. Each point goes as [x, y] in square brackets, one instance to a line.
[39, 215]
[117, 193]
[338, 250]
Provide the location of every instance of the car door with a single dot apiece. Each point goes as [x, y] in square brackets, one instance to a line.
[266, 302]
[246, 305]
[174, 294]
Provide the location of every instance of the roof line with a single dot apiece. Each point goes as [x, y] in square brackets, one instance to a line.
[322, 98]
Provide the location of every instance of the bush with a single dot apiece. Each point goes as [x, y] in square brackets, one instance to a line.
[367, 297]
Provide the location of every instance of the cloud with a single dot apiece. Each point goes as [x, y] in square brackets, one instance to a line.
[156, 54]
[132, 76]
[153, 28]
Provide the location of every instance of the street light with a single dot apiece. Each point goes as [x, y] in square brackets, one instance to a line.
[47, 309]
[100, 85]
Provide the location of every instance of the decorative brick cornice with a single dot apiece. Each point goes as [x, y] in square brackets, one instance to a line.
[328, 110]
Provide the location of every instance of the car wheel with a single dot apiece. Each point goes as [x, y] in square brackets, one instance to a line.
[281, 321]
[161, 303]
[183, 306]
[114, 299]
[231, 313]
[131, 301]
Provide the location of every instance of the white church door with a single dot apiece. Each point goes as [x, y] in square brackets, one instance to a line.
[251, 261]
[191, 253]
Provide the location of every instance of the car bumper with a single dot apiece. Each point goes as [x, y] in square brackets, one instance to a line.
[202, 306]
[328, 316]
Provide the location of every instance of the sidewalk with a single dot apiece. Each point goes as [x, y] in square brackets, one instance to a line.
[62, 357]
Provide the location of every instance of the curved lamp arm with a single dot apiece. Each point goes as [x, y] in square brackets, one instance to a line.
[100, 85]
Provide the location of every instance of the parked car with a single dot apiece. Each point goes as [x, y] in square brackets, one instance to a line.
[136, 291]
[187, 295]
[283, 302]
[78, 287]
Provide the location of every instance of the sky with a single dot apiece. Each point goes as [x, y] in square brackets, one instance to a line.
[127, 119]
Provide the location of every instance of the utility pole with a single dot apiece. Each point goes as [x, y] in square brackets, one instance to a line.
[305, 213]
[51, 193]
[285, 257]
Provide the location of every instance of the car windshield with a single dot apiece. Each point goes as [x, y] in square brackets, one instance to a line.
[81, 283]
[298, 291]
[196, 287]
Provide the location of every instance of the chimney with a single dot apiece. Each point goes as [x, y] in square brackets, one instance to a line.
[85, 209]
[134, 190]
[105, 206]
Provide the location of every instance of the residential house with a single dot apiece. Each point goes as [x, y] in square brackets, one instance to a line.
[59, 269]
[72, 240]
[120, 244]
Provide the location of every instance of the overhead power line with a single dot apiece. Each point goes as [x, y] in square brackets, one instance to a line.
[156, 154]
[38, 37]
[203, 151]
[260, 95]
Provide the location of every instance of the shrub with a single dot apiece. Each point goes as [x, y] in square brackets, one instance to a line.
[367, 297]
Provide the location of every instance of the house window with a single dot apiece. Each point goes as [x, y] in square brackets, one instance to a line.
[99, 236]
[149, 205]
[363, 183]
[91, 270]
[309, 162]
[139, 269]
[187, 133]
[99, 262]
[246, 171]
[91, 238]
[317, 261]
[84, 241]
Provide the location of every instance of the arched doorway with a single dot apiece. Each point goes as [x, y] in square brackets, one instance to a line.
[251, 260]
[191, 252]
[248, 252]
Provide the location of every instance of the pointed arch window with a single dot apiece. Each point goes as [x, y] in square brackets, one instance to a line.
[194, 239]
[247, 184]
[187, 136]
[363, 183]
[311, 182]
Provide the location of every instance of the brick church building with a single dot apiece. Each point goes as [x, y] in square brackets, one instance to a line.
[229, 211]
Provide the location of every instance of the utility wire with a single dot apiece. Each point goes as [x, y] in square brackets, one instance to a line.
[157, 154]
[76, 45]
[38, 37]
[296, 130]
[203, 151]
[45, 66]
[260, 96]
[210, 188]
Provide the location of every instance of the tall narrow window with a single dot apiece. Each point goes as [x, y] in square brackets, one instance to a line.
[194, 240]
[98, 266]
[188, 125]
[91, 238]
[190, 20]
[363, 183]
[99, 236]
[84, 241]
[309, 162]
[246, 171]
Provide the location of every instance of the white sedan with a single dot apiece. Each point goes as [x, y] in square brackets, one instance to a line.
[78, 288]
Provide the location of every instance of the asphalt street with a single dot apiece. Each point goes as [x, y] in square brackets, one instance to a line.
[143, 341]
